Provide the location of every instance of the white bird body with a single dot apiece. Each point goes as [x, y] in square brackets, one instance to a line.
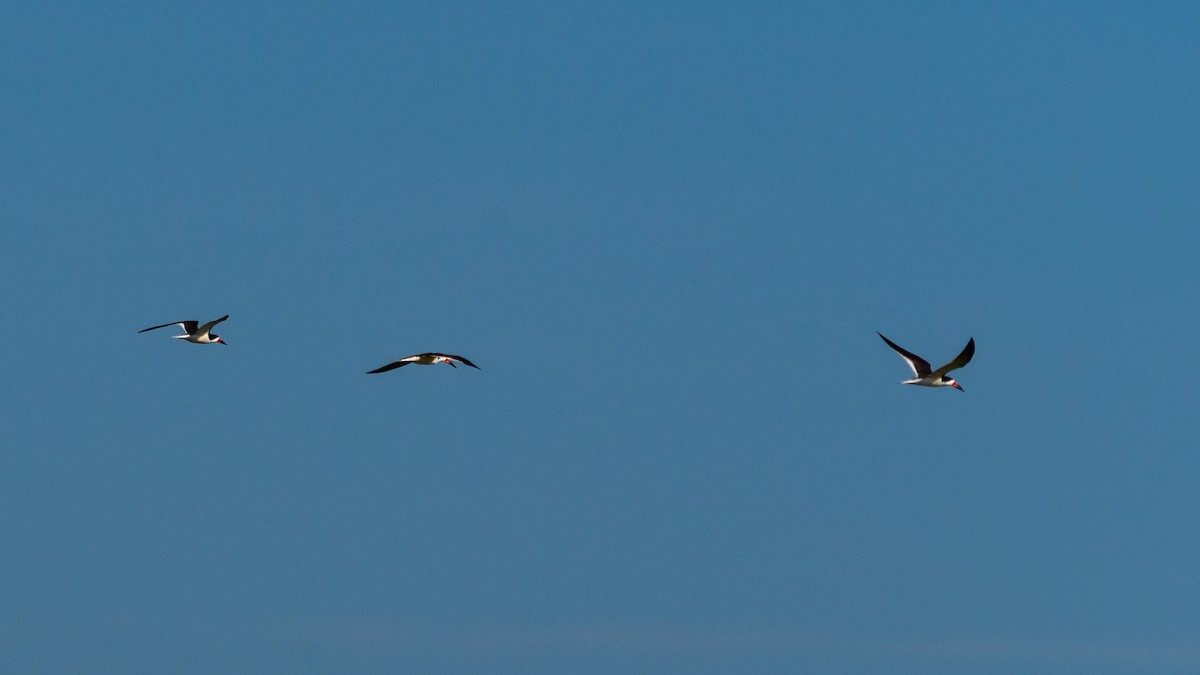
[926, 376]
[928, 382]
[199, 338]
[427, 360]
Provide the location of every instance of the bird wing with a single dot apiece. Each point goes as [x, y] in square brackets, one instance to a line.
[189, 326]
[460, 359]
[920, 366]
[391, 366]
[207, 328]
[959, 361]
[398, 364]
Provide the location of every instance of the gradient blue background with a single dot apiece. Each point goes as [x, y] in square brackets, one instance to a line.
[667, 234]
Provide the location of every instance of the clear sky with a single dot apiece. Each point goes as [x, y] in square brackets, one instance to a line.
[667, 233]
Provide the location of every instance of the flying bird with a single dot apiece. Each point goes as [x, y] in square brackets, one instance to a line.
[926, 376]
[194, 332]
[428, 359]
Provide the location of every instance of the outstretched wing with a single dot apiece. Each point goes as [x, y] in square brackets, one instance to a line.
[188, 326]
[207, 328]
[460, 359]
[397, 364]
[391, 366]
[920, 366]
[959, 361]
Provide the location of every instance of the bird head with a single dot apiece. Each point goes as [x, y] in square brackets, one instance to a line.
[955, 385]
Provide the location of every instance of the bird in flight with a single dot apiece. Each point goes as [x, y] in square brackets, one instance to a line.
[926, 376]
[194, 332]
[428, 359]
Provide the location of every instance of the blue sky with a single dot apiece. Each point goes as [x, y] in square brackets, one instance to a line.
[667, 234]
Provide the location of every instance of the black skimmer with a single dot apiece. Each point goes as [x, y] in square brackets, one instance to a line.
[196, 333]
[424, 360]
[926, 376]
